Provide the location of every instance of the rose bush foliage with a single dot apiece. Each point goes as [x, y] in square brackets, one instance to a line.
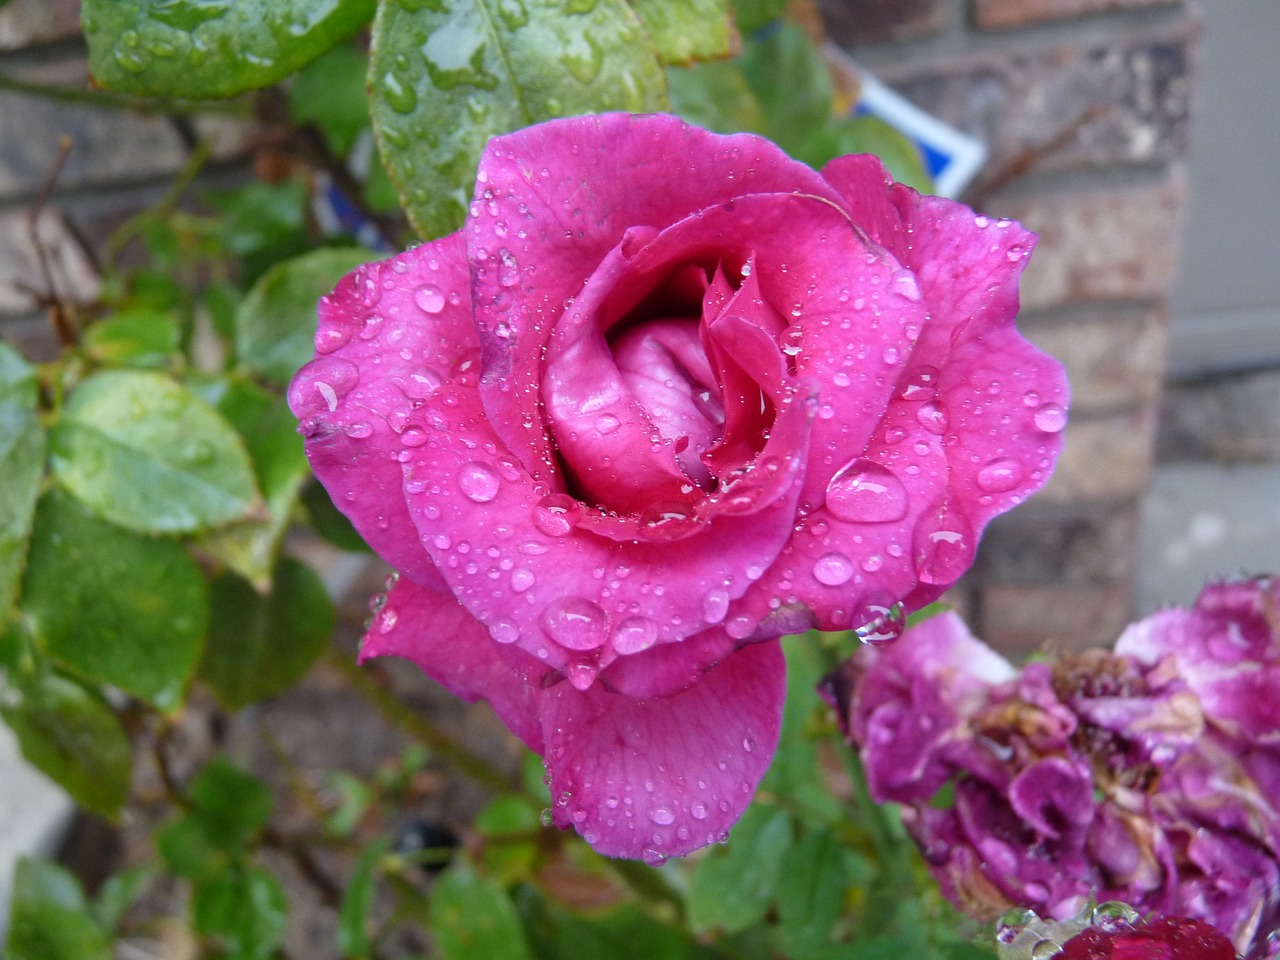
[665, 397]
[1148, 775]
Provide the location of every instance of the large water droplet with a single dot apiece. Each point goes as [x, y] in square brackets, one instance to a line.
[933, 417]
[504, 631]
[864, 492]
[399, 95]
[522, 579]
[576, 623]
[635, 635]
[878, 621]
[920, 383]
[429, 299]
[1050, 417]
[478, 482]
[662, 816]
[556, 515]
[1000, 474]
[833, 569]
[943, 543]
[715, 605]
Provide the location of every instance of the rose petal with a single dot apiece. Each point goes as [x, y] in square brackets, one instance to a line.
[390, 334]
[433, 630]
[573, 188]
[661, 778]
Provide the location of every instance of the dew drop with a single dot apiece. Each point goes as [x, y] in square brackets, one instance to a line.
[556, 515]
[933, 417]
[635, 635]
[864, 492]
[1050, 417]
[358, 431]
[478, 482]
[1000, 474]
[662, 816]
[576, 623]
[504, 631]
[413, 437]
[522, 579]
[833, 569]
[715, 605]
[791, 339]
[429, 299]
[920, 383]
[943, 543]
[879, 621]
[698, 810]
[608, 423]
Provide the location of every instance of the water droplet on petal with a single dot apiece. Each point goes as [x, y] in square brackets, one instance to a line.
[662, 816]
[522, 579]
[1000, 474]
[933, 417]
[556, 515]
[359, 431]
[715, 605]
[413, 437]
[833, 569]
[504, 631]
[943, 543]
[635, 635]
[429, 299]
[1050, 417]
[920, 383]
[608, 423]
[879, 621]
[478, 482]
[905, 284]
[864, 492]
[791, 339]
[576, 623]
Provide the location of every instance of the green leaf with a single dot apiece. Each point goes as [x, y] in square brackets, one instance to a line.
[867, 134]
[120, 892]
[751, 15]
[270, 431]
[245, 908]
[472, 918]
[329, 92]
[811, 892]
[357, 903]
[513, 820]
[231, 804]
[733, 886]
[446, 75]
[276, 321]
[625, 933]
[687, 30]
[259, 646]
[139, 337]
[22, 450]
[50, 918]
[70, 735]
[716, 96]
[186, 849]
[790, 78]
[262, 218]
[210, 48]
[119, 608]
[328, 521]
[146, 453]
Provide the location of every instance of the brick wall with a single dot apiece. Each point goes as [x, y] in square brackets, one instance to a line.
[1084, 105]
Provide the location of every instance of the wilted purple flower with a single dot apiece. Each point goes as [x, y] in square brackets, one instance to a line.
[1150, 775]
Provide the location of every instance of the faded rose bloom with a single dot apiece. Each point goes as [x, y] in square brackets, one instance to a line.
[1162, 938]
[1136, 776]
[665, 397]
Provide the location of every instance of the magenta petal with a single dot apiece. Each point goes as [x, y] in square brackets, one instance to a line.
[661, 778]
[434, 631]
[390, 335]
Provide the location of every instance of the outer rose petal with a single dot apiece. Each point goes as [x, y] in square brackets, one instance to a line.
[659, 778]
[390, 334]
[433, 630]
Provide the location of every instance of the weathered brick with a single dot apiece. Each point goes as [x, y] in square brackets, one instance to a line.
[1114, 358]
[1020, 620]
[24, 23]
[1118, 243]
[73, 275]
[1006, 14]
[1235, 418]
[108, 145]
[1104, 459]
[877, 21]
[1076, 545]
[1082, 104]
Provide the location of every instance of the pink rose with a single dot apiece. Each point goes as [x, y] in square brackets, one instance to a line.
[667, 396]
[1162, 938]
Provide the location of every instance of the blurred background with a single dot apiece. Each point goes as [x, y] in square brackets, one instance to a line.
[1139, 138]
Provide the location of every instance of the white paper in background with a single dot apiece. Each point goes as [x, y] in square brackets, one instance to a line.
[34, 814]
[952, 158]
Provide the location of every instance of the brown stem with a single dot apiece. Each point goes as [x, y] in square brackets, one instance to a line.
[302, 857]
[63, 325]
[1024, 162]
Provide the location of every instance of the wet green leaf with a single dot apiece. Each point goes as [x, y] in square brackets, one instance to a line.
[811, 892]
[262, 218]
[472, 918]
[270, 431]
[688, 30]
[50, 918]
[734, 885]
[22, 450]
[867, 134]
[329, 92]
[259, 646]
[245, 908]
[751, 15]
[139, 337]
[68, 733]
[146, 453]
[624, 933]
[446, 75]
[114, 606]
[231, 804]
[210, 48]
[357, 903]
[276, 321]
[790, 78]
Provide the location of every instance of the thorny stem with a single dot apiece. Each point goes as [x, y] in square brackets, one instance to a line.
[472, 764]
